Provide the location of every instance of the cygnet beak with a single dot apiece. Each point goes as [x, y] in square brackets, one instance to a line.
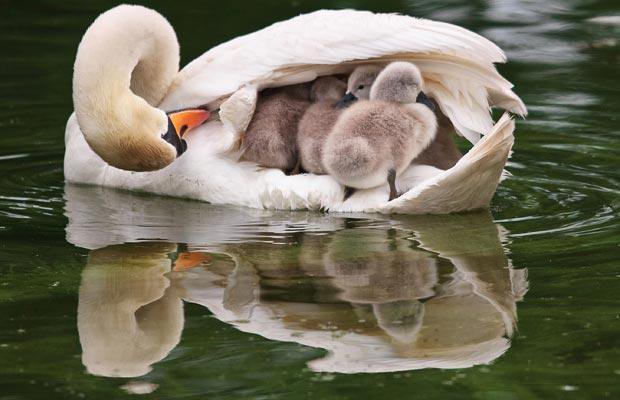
[346, 100]
[422, 98]
[179, 122]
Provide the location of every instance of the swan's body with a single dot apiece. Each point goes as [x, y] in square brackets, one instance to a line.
[457, 66]
[318, 121]
[374, 141]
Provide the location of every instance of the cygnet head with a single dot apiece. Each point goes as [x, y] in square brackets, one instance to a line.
[359, 83]
[400, 82]
[327, 89]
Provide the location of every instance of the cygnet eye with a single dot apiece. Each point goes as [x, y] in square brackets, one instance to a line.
[360, 87]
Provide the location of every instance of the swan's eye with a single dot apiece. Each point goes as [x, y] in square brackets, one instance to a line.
[360, 87]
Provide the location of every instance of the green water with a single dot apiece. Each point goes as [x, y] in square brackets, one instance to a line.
[286, 305]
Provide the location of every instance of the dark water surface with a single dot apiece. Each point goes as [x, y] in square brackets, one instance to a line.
[298, 305]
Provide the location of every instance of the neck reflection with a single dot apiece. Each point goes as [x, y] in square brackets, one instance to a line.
[129, 316]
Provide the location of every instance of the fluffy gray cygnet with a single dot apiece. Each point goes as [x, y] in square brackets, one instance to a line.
[321, 117]
[359, 83]
[441, 153]
[374, 141]
[270, 140]
[317, 122]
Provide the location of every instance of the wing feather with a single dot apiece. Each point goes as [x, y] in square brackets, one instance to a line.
[469, 185]
[458, 63]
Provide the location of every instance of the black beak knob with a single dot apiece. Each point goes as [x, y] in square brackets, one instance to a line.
[346, 100]
[174, 139]
[423, 99]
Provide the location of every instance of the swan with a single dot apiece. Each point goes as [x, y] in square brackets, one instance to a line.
[114, 139]
[442, 153]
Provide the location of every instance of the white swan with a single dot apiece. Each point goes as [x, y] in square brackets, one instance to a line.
[115, 58]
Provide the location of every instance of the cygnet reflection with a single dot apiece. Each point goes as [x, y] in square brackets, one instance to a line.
[372, 297]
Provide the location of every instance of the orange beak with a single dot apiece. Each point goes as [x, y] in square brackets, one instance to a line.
[186, 120]
[190, 259]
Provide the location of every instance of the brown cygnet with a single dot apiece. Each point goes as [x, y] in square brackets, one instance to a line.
[442, 153]
[317, 122]
[270, 140]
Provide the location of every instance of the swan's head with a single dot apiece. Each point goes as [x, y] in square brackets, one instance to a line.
[400, 82]
[359, 83]
[327, 89]
[134, 136]
[124, 66]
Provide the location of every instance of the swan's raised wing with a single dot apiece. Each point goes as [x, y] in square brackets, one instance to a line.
[469, 185]
[457, 64]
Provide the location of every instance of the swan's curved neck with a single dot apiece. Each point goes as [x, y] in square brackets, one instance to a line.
[129, 48]
[124, 66]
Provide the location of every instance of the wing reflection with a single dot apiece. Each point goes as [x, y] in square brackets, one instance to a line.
[380, 294]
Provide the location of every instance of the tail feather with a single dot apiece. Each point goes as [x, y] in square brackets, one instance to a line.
[500, 137]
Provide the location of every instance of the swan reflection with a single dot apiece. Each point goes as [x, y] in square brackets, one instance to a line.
[379, 293]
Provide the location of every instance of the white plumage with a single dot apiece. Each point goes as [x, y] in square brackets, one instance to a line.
[457, 65]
